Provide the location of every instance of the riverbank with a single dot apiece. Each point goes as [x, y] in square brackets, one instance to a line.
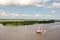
[24, 22]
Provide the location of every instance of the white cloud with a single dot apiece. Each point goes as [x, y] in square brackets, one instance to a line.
[53, 11]
[5, 2]
[14, 14]
[3, 13]
[22, 2]
[54, 5]
[45, 0]
[7, 15]
[37, 15]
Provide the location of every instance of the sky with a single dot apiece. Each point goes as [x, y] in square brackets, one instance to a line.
[29, 9]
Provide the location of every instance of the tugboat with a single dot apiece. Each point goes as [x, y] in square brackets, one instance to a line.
[39, 30]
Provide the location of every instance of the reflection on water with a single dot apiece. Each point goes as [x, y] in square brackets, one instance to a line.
[39, 36]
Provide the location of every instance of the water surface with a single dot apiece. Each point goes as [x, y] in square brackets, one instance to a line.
[28, 32]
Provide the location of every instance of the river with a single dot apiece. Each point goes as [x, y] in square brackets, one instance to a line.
[28, 32]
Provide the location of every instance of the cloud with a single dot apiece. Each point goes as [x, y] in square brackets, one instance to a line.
[23, 2]
[15, 14]
[54, 5]
[7, 15]
[53, 11]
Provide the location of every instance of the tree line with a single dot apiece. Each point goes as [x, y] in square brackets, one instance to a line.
[16, 23]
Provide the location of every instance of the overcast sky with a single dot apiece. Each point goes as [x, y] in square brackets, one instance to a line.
[29, 9]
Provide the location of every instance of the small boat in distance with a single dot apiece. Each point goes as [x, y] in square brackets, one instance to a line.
[39, 30]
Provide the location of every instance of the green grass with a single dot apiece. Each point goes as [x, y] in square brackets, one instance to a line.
[24, 22]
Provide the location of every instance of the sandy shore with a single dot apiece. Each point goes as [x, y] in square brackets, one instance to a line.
[29, 32]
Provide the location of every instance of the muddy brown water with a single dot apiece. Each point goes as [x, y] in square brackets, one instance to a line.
[28, 32]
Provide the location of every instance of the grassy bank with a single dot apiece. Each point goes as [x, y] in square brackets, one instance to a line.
[24, 22]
